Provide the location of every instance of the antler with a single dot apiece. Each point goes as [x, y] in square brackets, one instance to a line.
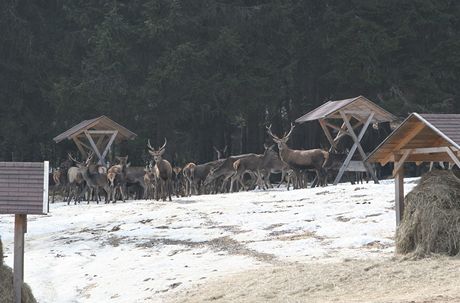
[148, 145]
[290, 131]
[90, 157]
[164, 145]
[269, 131]
[72, 158]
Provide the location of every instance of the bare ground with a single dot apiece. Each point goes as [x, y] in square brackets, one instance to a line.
[431, 280]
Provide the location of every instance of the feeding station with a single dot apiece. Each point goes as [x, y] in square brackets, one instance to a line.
[420, 138]
[96, 136]
[345, 117]
[23, 191]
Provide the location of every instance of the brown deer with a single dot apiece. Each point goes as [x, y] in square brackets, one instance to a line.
[188, 171]
[162, 171]
[299, 160]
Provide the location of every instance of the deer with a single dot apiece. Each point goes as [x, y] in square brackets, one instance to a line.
[225, 170]
[162, 171]
[220, 153]
[95, 177]
[116, 175]
[299, 160]
[75, 181]
[188, 172]
[272, 164]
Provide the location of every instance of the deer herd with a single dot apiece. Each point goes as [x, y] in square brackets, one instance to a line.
[160, 180]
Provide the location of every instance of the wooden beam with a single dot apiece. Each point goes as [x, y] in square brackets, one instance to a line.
[344, 133]
[403, 142]
[109, 144]
[79, 145]
[339, 129]
[453, 156]
[327, 133]
[353, 148]
[358, 144]
[424, 150]
[95, 149]
[399, 193]
[20, 227]
[401, 161]
[101, 132]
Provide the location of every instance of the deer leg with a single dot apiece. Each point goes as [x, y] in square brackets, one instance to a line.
[170, 190]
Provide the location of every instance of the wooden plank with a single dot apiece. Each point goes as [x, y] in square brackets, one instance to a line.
[404, 141]
[353, 148]
[358, 144]
[102, 132]
[399, 194]
[398, 165]
[356, 166]
[453, 156]
[327, 133]
[95, 149]
[79, 145]
[339, 136]
[18, 270]
[109, 145]
[339, 129]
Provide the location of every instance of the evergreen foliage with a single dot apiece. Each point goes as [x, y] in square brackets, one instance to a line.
[214, 72]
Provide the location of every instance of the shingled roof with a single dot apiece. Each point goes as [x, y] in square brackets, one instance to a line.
[420, 131]
[359, 107]
[100, 123]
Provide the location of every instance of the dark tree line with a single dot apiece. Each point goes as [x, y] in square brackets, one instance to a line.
[208, 72]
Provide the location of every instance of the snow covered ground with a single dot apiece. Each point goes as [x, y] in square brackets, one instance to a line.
[144, 251]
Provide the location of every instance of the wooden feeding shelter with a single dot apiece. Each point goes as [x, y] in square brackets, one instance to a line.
[351, 113]
[96, 135]
[419, 138]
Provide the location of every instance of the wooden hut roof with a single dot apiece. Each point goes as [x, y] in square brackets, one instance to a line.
[424, 134]
[359, 107]
[100, 123]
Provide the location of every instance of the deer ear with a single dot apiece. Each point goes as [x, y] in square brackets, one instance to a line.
[128, 164]
[162, 152]
[152, 153]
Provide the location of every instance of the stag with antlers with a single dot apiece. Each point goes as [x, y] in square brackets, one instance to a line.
[162, 172]
[299, 160]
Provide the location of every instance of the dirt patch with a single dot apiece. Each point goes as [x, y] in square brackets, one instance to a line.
[432, 280]
[222, 244]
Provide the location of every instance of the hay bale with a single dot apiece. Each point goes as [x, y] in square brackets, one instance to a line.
[431, 220]
[6, 284]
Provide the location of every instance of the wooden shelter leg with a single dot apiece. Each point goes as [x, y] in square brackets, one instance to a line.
[358, 144]
[109, 144]
[95, 149]
[344, 133]
[399, 192]
[353, 148]
[328, 134]
[20, 227]
[80, 147]
[398, 165]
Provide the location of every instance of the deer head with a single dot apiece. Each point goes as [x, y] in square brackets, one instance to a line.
[156, 154]
[220, 153]
[282, 142]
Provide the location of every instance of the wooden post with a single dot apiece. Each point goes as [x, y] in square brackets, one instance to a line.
[354, 147]
[399, 190]
[20, 228]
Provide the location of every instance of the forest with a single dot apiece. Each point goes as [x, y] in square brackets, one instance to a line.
[207, 73]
